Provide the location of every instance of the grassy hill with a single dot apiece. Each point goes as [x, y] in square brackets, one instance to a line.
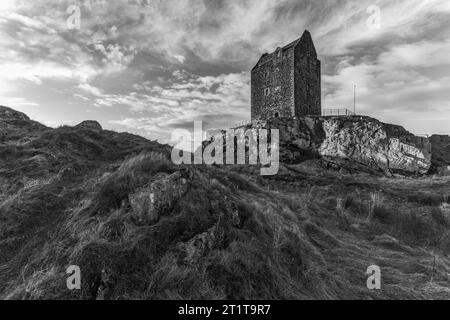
[140, 227]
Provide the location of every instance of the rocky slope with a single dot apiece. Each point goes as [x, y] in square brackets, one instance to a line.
[16, 127]
[362, 142]
[140, 227]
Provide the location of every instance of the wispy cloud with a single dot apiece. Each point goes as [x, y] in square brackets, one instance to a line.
[152, 66]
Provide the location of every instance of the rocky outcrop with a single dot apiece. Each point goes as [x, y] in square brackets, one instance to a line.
[17, 128]
[195, 248]
[89, 125]
[363, 140]
[152, 201]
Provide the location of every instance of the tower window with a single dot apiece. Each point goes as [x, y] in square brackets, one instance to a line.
[279, 52]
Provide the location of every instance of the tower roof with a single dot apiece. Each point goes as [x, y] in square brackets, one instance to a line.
[305, 42]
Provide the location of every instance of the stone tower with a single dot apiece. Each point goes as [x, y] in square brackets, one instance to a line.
[286, 83]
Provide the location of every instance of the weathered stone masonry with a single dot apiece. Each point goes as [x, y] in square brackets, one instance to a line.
[286, 83]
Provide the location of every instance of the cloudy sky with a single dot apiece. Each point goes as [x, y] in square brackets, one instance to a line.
[152, 66]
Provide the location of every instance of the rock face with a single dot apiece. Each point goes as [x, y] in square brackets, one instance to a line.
[440, 160]
[361, 140]
[90, 125]
[150, 202]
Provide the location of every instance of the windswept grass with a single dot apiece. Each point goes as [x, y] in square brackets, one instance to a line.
[223, 233]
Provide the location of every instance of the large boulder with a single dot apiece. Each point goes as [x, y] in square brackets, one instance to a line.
[89, 125]
[159, 196]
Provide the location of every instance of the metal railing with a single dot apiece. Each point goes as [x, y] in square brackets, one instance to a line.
[337, 112]
[241, 124]
[325, 112]
[247, 123]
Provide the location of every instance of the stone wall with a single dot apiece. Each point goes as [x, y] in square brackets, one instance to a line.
[440, 154]
[286, 83]
[273, 86]
[308, 84]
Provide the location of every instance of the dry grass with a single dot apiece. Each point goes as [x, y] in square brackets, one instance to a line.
[304, 234]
